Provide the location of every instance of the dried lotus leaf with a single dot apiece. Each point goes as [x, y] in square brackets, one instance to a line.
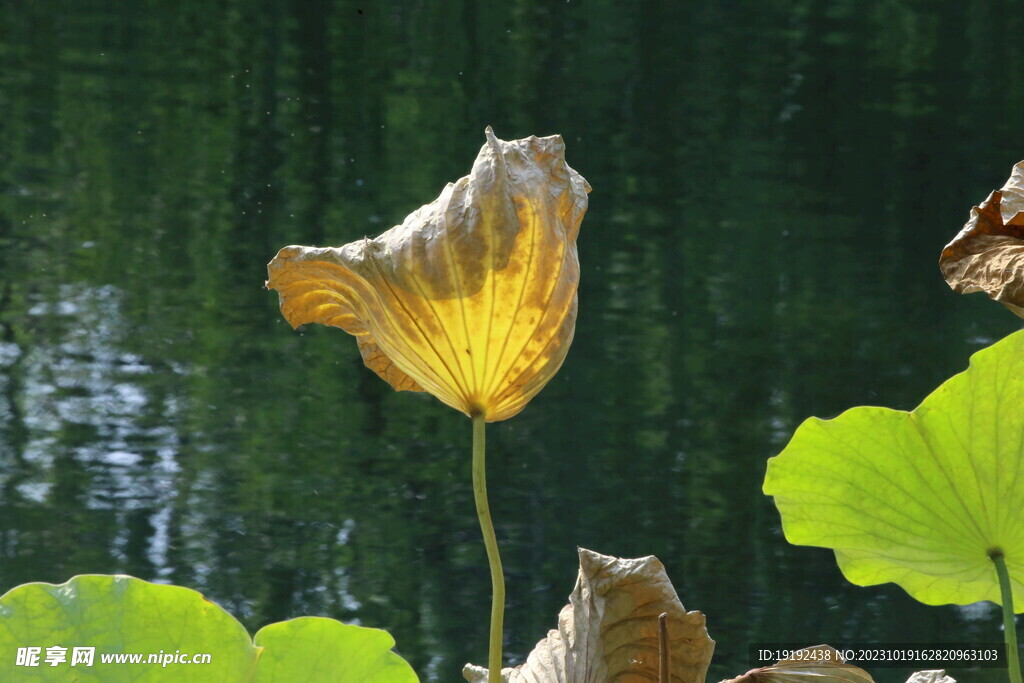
[988, 253]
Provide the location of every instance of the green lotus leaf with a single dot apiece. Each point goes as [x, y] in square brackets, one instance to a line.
[921, 499]
[120, 616]
[327, 650]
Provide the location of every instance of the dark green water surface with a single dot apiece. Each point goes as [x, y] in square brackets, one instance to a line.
[773, 183]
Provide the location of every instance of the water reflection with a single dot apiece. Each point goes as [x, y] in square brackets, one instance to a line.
[773, 184]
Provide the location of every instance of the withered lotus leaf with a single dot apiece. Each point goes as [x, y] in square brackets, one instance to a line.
[821, 663]
[988, 253]
[609, 630]
[473, 297]
[931, 676]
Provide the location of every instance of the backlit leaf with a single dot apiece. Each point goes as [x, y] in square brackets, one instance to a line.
[919, 498]
[123, 616]
[329, 651]
[473, 297]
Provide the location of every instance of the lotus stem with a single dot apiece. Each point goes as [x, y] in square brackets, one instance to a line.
[664, 653]
[493, 559]
[1009, 625]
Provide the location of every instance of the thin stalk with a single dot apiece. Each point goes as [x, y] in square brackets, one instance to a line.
[1009, 626]
[664, 653]
[493, 559]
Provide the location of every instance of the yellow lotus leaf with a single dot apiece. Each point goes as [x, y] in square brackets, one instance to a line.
[473, 297]
[988, 253]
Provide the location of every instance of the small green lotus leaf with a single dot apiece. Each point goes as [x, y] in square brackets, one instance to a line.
[120, 615]
[315, 650]
[920, 499]
[123, 616]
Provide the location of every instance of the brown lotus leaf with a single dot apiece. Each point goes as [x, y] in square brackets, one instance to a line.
[609, 630]
[473, 297]
[821, 663]
[931, 676]
[988, 253]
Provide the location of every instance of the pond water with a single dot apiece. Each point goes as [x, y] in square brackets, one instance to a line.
[773, 183]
